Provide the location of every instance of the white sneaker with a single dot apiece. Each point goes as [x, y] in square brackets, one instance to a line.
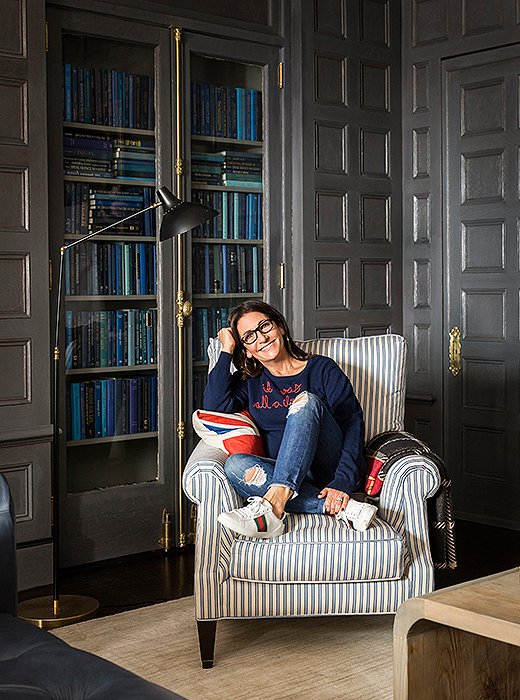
[254, 520]
[359, 514]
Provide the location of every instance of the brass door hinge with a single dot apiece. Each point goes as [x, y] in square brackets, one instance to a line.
[280, 75]
[46, 36]
[281, 283]
[50, 275]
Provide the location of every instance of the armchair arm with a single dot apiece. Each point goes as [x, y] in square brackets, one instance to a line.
[409, 482]
[205, 483]
[8, 587]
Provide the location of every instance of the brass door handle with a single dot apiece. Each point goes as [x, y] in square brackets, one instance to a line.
[454, 351]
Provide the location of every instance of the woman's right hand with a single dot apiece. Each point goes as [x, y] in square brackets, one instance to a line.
[227, 340]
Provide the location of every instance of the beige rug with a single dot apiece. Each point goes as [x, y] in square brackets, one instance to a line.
[347, 658]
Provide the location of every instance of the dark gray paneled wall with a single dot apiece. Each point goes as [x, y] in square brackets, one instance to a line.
[431, 31]
[24, 330]
[346, 275]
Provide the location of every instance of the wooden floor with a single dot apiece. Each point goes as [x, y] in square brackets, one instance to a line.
[145, 579]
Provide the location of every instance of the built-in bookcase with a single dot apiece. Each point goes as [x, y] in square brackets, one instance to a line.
[110, 281]
[109, 89]
[227, 173]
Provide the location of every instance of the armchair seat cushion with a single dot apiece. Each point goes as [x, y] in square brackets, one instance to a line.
[343, 554]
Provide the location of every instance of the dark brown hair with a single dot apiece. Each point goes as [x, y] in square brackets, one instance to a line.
[249, 366]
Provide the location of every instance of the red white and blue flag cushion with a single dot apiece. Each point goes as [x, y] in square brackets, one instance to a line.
[231, 432]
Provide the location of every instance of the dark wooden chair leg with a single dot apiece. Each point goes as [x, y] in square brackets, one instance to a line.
[207, 630]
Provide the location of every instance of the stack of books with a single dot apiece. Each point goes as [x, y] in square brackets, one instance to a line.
[228, 168]
[110, 206]
[133, 161]
[90, 207]
[242, 169]
[207, 168]
[87, 155]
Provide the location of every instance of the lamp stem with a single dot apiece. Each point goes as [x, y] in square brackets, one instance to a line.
[55, 476]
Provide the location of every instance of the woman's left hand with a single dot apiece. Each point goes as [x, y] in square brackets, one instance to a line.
[334, 500]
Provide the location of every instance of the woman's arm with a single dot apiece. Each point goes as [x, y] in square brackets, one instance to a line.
[225, 392]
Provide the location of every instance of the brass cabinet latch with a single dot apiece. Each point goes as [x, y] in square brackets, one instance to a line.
[454, 351]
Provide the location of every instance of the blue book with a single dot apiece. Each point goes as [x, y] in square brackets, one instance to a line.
[133, 403]
[153, 403]
[104, 430]
[86, 328]
[240, 110]
[119, 428]
[225, 270]
[98, 431]
[110, 406]
[205, 327]
[120, 332]
[67, 85]
[259, 221]
[236, 215]
[118, 268]
[130, 314]
[149, 338]
[207, 275]
[224, 215]
[103, 339]
[69, 339]
[75, 411]
[112, 362]
[144, 288]
[252, 115]
[256, 269]
[154, 269]
[89, 410]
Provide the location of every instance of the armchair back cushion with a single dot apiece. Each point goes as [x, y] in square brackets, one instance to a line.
[375, 366]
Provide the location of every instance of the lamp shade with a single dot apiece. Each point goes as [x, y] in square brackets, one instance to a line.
[179, 216]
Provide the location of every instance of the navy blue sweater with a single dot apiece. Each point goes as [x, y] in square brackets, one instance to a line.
[268, 397]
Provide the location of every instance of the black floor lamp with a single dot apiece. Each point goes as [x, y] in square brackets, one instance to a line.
[58, 610]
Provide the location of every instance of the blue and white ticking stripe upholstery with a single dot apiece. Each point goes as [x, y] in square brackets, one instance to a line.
[375, 366]
[318, 566]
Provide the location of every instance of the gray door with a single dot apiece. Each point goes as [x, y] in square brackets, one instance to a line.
[481, 261]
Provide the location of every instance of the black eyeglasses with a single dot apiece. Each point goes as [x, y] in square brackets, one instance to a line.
[263, 327]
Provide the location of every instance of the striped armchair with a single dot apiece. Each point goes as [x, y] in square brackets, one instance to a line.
[319, 567]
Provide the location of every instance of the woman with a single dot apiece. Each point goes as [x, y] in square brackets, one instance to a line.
[309, 418]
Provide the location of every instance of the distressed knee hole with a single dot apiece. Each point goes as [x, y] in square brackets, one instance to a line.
[298, 403]
[255, 476]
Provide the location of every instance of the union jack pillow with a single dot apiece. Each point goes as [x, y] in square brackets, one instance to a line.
[231, 432]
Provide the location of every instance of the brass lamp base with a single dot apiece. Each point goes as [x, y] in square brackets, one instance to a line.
[70, 609]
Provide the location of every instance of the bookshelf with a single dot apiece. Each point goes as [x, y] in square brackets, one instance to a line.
[109, 89]
[226, 173]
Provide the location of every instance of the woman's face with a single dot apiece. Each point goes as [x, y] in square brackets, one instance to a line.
[268, 345]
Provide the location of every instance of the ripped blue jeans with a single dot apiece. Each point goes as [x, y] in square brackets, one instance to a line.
[306, 461]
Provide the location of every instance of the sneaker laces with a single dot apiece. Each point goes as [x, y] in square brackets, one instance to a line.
[256, 507]
[342, 516]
